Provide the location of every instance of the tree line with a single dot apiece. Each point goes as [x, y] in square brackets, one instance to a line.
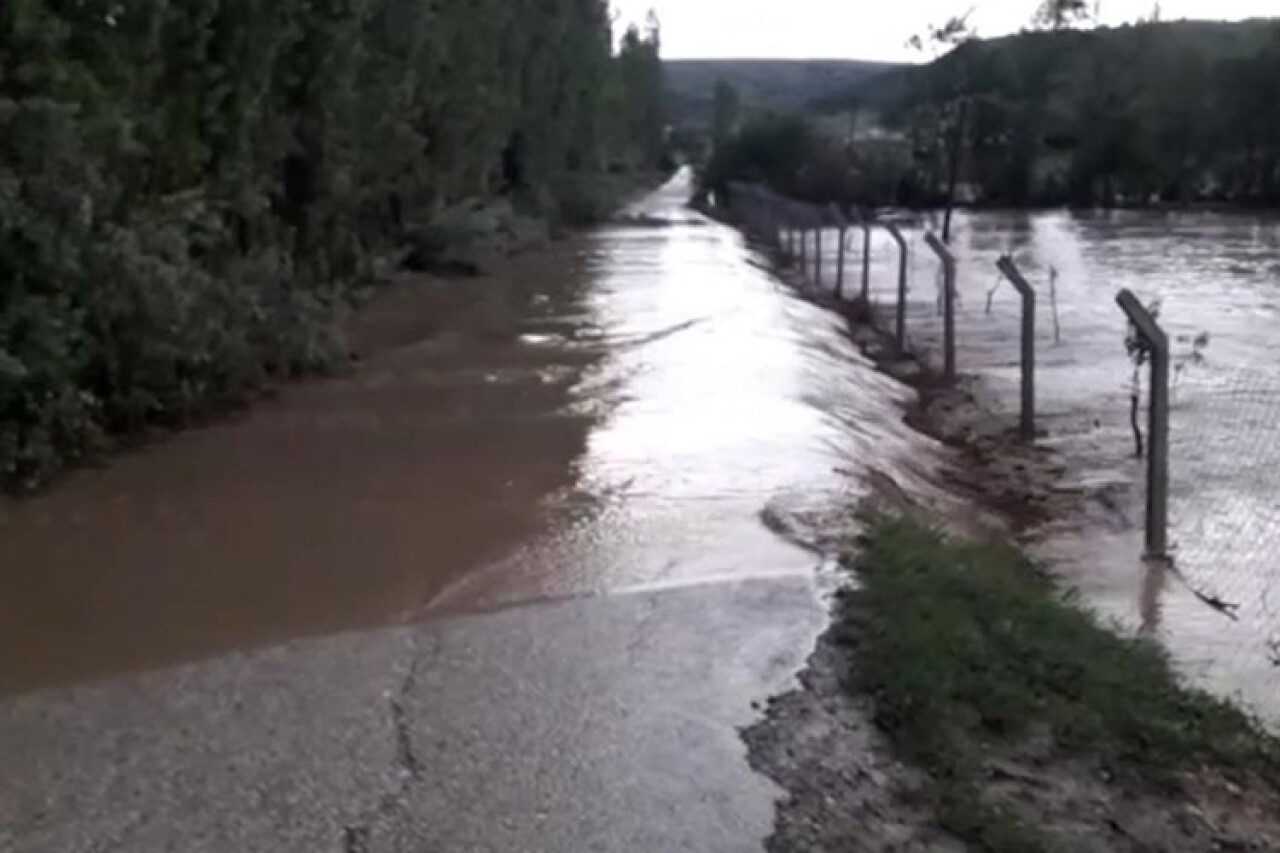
[188, 191]
[1150, 113]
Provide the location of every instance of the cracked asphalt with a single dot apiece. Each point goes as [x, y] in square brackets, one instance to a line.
[595, 724]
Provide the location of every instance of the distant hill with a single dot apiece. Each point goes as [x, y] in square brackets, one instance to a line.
[784, 85]
[1205, 42]
[1168, 111]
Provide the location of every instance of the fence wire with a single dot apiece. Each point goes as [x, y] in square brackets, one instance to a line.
[1225, 501]
[1224, 624]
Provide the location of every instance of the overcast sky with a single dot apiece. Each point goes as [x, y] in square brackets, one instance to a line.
[868, 29]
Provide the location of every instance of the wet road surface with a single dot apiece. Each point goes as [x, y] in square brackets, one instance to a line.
[552, 494]
[615, 413]
[596, 725]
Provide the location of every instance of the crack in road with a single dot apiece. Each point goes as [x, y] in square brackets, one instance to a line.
[357, 836]
[406, 756]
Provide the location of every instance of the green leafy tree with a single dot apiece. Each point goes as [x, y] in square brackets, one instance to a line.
[1061, 14]
[188, 191]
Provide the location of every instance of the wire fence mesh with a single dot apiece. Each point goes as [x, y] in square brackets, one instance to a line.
[1225, 508]
[1214, 281]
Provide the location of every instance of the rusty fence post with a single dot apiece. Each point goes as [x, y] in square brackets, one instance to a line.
[1158, 424]
[948, 305]
[1011, 272]
[901, 327]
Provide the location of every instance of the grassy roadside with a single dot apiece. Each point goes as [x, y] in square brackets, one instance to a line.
[986, 677]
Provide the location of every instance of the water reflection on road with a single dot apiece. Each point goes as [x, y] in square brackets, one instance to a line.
[617, 412]
[720, 396]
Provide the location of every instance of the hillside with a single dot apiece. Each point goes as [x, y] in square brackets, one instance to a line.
[1174, 112]
[1206, 42]
[763, 84]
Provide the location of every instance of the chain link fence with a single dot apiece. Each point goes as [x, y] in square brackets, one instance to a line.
[1213, 283]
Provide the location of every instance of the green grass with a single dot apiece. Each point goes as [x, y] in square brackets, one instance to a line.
[968, 649]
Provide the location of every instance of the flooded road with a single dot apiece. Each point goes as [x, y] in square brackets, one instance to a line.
[1212, 275]
[619, 412]
[635, 436]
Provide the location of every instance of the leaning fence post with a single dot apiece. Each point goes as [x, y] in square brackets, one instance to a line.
[1158, 424]
[896, 234]
[948, 305]
[1011, 272]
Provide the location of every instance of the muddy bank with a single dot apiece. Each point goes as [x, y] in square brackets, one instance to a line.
[846, 789]
[993, 482]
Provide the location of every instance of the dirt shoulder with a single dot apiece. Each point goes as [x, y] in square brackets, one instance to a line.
[961, 701]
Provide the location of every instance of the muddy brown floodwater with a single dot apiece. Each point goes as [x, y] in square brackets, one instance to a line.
[618, 412]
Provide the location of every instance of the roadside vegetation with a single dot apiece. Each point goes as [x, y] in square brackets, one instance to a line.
[190, 192]
[987, 677]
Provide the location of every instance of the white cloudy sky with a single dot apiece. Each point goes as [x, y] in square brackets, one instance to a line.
[868, 29]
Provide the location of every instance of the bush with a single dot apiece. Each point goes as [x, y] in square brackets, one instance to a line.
[792, 156]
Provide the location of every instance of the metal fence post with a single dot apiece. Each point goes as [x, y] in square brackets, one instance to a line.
[841, 228]
[1011, 272]
[866, 262]
[901, 329]
[1158, 424]
[817, 249]
[948, 305]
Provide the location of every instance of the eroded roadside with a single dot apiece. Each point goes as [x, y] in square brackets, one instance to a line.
[884, 748]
